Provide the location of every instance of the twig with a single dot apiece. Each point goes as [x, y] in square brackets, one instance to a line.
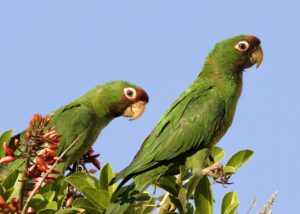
[252, 205]
[163, 201]
[268, 205]
[46, 174]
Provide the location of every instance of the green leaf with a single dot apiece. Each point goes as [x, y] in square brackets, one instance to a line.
[169, 184]
[203, 197]
[46, 211]
[82, 180]
[98, 197]
[86, 205]
[10, 180]
[38, 202]
[105, 177]
[191, 185]
[142, 196]
[60, 188]
[71, 211]
[217, 153]
[49, 196]
[190, 209]
[51, 205]
[230, 203]
[239, 158]
[182, 198]
[149, 209]
[177, 203]
[228, 170]
[5, 137]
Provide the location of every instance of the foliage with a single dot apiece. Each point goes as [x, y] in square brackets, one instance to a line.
[80, 192]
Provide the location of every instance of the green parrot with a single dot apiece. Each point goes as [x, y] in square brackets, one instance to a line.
[198, 118]
[87, 116]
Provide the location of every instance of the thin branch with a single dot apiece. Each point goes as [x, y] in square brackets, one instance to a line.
[162, 202]
[46, 174]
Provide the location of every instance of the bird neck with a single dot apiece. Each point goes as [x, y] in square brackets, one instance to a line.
[217, 70]
[92, 101]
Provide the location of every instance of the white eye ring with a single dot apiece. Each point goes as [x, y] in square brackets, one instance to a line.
[130, 93]
[242, 46]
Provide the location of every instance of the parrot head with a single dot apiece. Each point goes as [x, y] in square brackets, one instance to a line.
[122, 99]
[241, 52]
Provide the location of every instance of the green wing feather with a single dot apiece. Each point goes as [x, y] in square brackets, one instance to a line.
[186, 127]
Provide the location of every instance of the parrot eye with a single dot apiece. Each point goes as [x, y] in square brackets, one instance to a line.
[242, 46]
[130, 93]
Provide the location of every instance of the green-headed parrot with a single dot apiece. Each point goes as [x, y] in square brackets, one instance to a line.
[199, 117]
[87, 116]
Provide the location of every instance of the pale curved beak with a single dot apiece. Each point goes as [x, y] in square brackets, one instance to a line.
[135, 110]
[257, 56]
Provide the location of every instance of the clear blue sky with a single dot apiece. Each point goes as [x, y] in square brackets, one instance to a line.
[54, 51]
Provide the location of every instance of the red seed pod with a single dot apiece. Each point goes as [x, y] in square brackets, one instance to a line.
[52, 128]
[14, 204]
[92, 171]
[28, 134]
[49, 152]
[31, 123]
[96, 163]
[17, 142]
[52, 136]
[3, 204]
[42, 166]
[46, 120]
[40, 118]
[7, 159]
[7, 149]
[49, 179]
[53, 146]
[35, 117]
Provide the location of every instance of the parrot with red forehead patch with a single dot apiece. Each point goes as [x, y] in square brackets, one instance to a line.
[87, 116]
[196, 120]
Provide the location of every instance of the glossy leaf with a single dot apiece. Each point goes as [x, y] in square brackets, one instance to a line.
[230, 203]
[177, 203]
[82, 180]
[38, 202]
[86, 205]
[191, 185]
[169, 184]
[105, 177]
[203, 197]
[10, 180]
[239, 158]
[49, 196]
[229, 170]
[182, 198]
[99, 198]
[70, 211]
[217, 153]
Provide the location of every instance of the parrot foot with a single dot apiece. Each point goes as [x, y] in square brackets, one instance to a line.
[216, 172]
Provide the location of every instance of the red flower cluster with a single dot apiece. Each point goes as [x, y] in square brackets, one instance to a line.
[39, 150]
[41, 143]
